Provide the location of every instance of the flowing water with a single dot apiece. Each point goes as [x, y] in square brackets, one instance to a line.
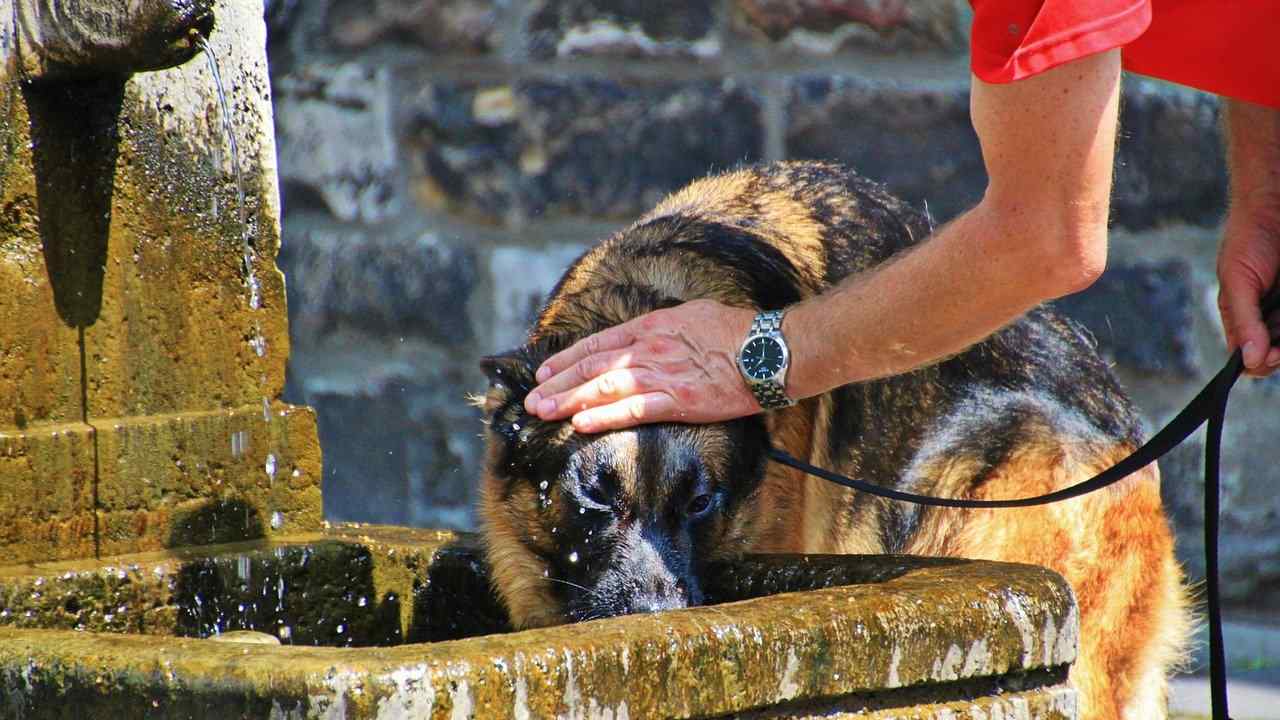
[255, 296]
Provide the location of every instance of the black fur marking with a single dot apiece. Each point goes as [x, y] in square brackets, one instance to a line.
[767, 275]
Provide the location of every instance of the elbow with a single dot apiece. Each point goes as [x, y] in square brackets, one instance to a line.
[1078, 259]
[1075, 259]
[1065, 251]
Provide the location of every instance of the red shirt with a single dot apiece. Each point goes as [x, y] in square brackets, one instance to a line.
[1228, 47]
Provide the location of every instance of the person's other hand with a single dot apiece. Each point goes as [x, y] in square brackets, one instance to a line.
[1248, 267]
[673, 365]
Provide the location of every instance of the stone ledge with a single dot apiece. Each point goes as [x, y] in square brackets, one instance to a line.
[923, 626]
[158, 481]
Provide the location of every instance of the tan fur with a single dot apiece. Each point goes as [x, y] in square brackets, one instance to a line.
[1114, 547]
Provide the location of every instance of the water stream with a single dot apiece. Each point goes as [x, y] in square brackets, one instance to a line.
[255, 294]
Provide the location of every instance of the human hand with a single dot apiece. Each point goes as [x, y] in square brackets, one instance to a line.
[1248, 267]
[678, 364]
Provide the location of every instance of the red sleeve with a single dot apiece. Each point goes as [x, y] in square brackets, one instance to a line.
[1228, 48]
[1014, 39]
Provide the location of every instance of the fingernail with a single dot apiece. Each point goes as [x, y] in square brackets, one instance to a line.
[531, 402]
[1249, 352]
[1274, 360]
[543, 374]
[546, 407]
[582, 423]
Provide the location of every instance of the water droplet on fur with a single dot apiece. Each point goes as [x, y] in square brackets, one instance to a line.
[573, 556]
[582, 511]
[515, 426]
[542, 485]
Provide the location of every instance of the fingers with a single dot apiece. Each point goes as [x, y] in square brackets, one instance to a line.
[595, 379]
[1239, 303]
[613, 338]
[628, 412]
[600, 383]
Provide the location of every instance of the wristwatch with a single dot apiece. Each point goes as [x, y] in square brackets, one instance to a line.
[763, 361]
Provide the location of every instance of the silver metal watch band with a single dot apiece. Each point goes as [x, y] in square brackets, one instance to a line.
[771, 395]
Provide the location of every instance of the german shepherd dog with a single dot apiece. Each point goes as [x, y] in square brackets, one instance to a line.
[588, 526]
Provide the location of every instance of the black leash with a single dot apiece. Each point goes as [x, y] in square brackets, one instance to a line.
[1209, 405]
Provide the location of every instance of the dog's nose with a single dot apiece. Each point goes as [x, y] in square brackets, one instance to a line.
[654, 603]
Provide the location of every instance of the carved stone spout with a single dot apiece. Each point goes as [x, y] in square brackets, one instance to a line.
[77, 39]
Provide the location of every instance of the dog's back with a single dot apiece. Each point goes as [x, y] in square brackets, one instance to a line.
[1030, 410]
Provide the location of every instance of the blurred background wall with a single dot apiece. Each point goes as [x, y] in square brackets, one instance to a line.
[442, 161]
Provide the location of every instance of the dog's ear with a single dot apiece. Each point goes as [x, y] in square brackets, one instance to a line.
[511, 377]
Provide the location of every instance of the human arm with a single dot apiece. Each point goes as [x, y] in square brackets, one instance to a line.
[1038, 233]
[1249, 257]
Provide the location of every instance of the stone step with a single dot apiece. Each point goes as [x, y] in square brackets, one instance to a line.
[158, 481]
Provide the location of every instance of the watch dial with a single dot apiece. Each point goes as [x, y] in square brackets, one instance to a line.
[762, 358]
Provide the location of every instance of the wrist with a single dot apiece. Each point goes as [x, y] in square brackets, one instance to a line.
[815, 367]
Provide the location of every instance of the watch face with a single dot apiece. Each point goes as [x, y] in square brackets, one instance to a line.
[762, 358]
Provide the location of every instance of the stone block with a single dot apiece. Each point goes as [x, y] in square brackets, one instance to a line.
[1249, 517]
[336, 147]
[146, 483]
[916, 139]
[40, 381]
[47, 489]
[521, 278]
[438, 26]
[402, 451]
[823, 27]
[1170, 164]
[388, 284]
[300, 30]
[1141, 317]
[588, 146]
[201, 478]
[662, 28]
[142, 280]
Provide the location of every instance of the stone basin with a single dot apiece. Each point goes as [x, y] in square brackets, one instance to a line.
[390, 622]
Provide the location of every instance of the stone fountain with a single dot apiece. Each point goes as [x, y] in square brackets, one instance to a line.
[155, 494]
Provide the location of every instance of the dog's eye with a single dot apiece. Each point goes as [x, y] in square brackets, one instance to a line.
[598, 495]
[603, 490]
[699, 505]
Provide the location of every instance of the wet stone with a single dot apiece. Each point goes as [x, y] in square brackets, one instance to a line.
[940, 636]
[506, 153]
[917, 140]
[385, 283]
[823, 26]
[1141, 317]
[622, 27]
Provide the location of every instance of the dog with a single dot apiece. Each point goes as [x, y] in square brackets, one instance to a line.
[578, 527]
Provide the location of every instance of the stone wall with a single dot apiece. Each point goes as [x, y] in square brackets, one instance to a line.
[442, 162]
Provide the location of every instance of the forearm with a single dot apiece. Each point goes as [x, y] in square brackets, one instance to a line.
[1249, 257]
[1253, 156]
[1040, 232]
[972, 277]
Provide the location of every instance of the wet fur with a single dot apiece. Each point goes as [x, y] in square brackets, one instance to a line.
[1027, 411]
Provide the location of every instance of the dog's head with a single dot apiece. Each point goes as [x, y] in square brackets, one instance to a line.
[587, 526]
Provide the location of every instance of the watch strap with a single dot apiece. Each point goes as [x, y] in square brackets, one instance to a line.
[769, 393]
